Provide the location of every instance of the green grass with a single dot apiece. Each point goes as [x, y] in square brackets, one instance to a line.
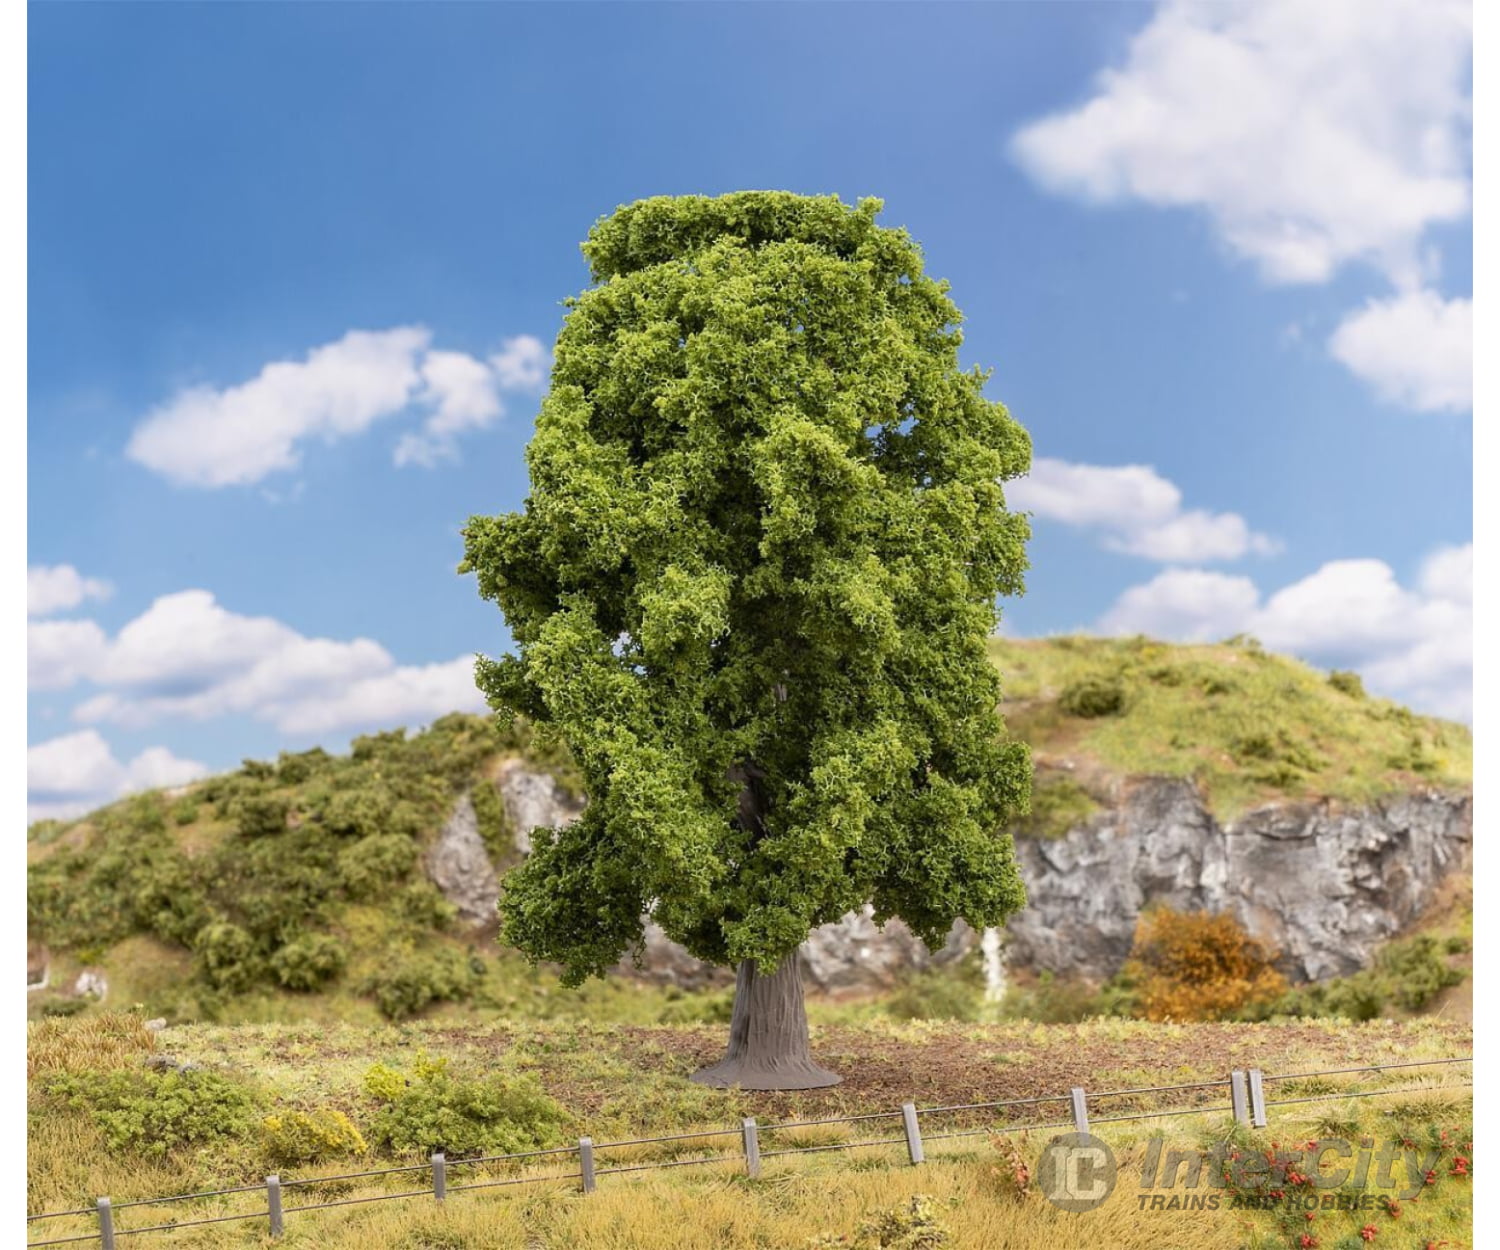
[1246, 725]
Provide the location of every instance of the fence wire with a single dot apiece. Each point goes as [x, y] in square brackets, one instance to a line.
[586, 1173]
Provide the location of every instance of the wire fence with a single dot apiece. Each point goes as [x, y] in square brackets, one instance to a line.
[1247, 1103]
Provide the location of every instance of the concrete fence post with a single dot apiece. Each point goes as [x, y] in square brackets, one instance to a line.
[913, 1131]
[1080, 1103]
[1239, 1100]
[586, 1163]
[439, 1175]
[752, 1145]
[273, 1204]
[106, 1224]
[1257, 1099]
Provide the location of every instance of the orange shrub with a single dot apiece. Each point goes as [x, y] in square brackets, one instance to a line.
[1197, 966]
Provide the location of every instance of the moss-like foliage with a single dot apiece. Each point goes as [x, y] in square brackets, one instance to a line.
[751, 589]
[256, 871]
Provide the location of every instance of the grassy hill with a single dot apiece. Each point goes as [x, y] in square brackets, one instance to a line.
[1247, 725]
[293, 889]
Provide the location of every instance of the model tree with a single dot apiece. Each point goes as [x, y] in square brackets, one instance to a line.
[751, 589]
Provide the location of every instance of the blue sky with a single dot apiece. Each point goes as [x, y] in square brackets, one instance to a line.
[294, 270]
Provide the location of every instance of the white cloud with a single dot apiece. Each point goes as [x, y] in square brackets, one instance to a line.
[189, 658]
[60, 653]
[1412, 644]
[1139, 512]
[71, 774]
[464, 394]
[1312, 134]
[521, 363]
[1416, 349]
[208, 438]
[1191, 605]
[56, 588]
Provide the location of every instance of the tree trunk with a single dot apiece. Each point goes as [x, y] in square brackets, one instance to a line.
[768, 1047]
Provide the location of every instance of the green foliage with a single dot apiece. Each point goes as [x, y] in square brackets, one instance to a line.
[297, 1138]
[158, 1113]
[370, 867]
[1058, 804]
[751, 590]
[186, 810]
[433, 1109]
[259, 816]
[309, 962]
[1347, 683]
[1093, 696]
[409, 981]
[1406, 974]
[494, 827]
[942, 992]
[228, 957]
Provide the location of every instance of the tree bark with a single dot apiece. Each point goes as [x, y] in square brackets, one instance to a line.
[768, 1045]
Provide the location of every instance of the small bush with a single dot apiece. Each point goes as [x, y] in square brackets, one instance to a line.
[371, 867]
[1347, 683]
[158, 1113]
[309, 962]
[259, 816]
[185, 810]
[409, 983]
[1093, 697]
[941, 993]
[1058, 804]
[1415, 971]
[228, 958]
[434, 1109]
[1197, 966]
[293, 1138]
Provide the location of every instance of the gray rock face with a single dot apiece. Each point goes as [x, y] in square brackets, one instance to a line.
[460, 866]
[1322, 883]
[533, 800]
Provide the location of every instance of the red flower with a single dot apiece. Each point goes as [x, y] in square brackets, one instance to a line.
[1431, 1178]
[1393, 1208]
[1368, 1232]
[1307, 1241]
[1311, 1215]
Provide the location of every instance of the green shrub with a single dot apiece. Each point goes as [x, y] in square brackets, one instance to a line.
[295, 1138]
[259, 816]
[494, 824]
[228, 957]
[943, 992]
[407, 983]
[370, 867]
[1347, 683]
[422, 905]
[1093, 697]
[157, 1113]
[910, 1225]
[309, 962]
[1415, 971]
[434, 1109]
[185, 810]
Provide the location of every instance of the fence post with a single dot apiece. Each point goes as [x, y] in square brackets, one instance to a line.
[586, 1163]
[439, 1175]
[1238, 1100]
[913, 1132]
[752, 1145]
[1257, 1100]
[1080, 1103]
[273, 1204]
[106, 1225]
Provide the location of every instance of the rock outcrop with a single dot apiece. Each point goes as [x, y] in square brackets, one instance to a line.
[460, 866]
[1323, 883]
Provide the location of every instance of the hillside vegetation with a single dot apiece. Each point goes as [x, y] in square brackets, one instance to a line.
[1246, 725]
[294, 889]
